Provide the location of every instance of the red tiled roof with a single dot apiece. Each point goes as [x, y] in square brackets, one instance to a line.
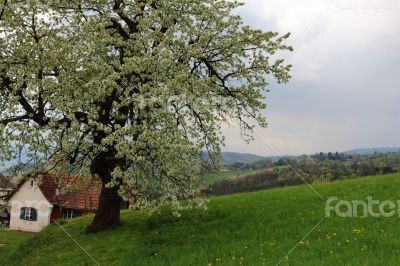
[71, 192]
[48, 187]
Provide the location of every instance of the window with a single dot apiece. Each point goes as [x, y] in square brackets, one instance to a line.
[32, 183]
[68, 214]
[28, 214]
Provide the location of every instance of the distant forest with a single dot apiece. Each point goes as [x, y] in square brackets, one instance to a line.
[320, 167]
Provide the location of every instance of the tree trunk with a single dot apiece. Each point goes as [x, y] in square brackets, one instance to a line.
[107, 215]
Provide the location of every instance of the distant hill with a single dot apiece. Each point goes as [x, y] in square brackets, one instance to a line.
[236, 157]
[366, 151]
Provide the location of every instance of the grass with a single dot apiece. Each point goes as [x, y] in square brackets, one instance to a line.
[243, 229]
[9, 240]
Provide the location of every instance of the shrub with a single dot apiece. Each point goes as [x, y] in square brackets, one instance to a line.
[250, 183]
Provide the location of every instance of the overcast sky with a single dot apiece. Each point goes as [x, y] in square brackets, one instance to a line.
[345, 90]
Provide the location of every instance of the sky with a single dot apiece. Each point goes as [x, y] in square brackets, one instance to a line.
[345, 86]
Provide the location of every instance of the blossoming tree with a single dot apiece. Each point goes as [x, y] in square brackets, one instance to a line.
[131, 89]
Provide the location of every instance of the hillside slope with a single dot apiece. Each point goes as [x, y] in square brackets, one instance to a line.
[244, 229]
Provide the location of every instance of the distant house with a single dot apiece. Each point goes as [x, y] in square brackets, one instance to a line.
[38, 201]
[6, 187]
[270, 170]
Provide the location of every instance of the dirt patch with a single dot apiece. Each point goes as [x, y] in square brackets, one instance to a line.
[2, 245]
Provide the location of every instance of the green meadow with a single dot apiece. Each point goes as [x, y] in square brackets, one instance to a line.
[9, 240]
[286, 226]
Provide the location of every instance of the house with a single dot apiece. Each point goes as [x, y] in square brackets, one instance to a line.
[270, 170]
[6, 187]
[39, 200]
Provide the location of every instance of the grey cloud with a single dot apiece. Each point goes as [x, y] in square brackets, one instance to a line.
[345, 90]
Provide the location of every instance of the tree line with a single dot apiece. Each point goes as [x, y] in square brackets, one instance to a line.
[320, 167]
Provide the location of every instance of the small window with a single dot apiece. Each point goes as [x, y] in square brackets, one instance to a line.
[68, 214]
[28, 214]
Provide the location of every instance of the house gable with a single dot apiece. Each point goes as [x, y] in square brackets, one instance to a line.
[29, 208]
[29, 191]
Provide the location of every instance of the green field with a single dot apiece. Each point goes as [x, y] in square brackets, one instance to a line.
[10, 239]
[257, 228]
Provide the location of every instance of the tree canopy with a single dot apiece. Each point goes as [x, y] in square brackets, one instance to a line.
[131, 89]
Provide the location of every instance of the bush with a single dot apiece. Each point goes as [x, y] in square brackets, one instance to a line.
[253, 182]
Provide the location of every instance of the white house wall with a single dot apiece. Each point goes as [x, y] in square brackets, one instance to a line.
[29, 196]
